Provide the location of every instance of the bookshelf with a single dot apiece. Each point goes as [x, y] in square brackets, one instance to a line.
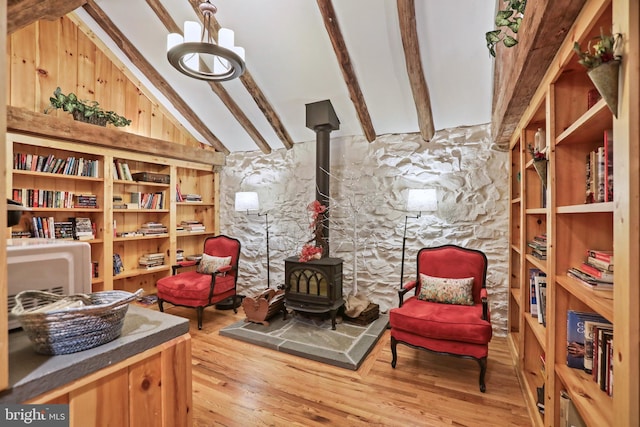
[572, 225]
[199, 192]
[127, 210]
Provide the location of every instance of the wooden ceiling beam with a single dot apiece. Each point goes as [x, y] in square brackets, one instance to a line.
[419, 88]
[21, 13]
[152, 74]
[29, 122]
[339, 47]
[519, 70]
[216, 87]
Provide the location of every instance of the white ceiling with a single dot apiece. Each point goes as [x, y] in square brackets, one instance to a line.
[290, 56]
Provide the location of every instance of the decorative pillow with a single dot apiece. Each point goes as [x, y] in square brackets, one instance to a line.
[209, 264]
[445, 290]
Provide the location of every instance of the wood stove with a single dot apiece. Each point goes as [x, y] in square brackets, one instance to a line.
[314, 286]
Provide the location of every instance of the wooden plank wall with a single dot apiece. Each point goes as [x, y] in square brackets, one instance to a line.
[48, 54]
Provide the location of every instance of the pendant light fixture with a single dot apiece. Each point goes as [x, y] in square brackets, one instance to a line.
[197, 55]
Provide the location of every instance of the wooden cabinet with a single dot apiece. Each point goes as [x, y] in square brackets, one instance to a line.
[152, 388]
[574, 128]
[131, 218]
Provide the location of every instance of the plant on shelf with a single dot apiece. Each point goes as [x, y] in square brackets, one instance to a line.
[600, 50]
[86, 111]
[602, 63]
[510, 19]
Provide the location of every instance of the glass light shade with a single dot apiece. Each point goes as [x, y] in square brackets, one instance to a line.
[422, 200]
[174, 39]
[247, 201]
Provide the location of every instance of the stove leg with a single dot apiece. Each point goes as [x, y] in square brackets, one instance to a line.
[333, 319]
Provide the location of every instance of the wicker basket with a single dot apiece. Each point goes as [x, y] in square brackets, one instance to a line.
[67, 324]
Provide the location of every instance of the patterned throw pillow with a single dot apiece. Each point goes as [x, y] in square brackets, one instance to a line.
[445, 290]
[210, 264]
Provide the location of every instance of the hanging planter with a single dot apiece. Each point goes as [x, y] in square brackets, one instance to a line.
[541, 168]
[605, 79]
[603, 65]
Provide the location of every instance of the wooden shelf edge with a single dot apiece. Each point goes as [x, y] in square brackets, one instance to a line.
[56, 175]
[539, 331]
[140, 272]
[596, 117]
[603, 207]
[599, 301]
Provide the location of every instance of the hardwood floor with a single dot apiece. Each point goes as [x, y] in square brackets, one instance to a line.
[240, 384]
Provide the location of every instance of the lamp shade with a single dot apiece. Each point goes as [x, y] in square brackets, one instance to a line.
[247, 201]
[422, 200]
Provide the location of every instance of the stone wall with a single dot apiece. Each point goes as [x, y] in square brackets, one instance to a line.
[369, 184]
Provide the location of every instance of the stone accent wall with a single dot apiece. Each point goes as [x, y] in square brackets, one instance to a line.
[369, 185]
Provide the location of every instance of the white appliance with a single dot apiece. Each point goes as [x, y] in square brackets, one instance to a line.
[62, 267]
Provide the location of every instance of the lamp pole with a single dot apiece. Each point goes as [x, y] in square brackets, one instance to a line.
[266, 217]
[404, 244]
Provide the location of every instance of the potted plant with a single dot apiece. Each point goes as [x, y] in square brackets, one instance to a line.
[602, 63]
[86, 111]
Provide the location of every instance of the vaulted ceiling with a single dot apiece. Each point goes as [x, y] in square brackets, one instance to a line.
[387, 66]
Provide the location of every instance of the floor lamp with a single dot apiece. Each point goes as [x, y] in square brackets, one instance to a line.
[248, 201]
[421, 200]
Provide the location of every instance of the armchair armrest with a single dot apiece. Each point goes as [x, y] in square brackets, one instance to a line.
[176, 267]
[223, 269]
[403, 291]
[485, 304]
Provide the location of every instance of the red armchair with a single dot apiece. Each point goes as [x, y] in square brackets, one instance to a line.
[448, 312]
[214, 280]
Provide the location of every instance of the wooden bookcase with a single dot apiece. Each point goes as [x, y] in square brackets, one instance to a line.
[110, 222]
[572, 226]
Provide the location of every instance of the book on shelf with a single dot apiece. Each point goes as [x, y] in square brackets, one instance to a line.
[600, 264]
[83, 228]
[540, 281]
[601, 255]
[576, 338]
[588, 280]
[569, 415]
[179, 197]
[596, 273]
[542, 303]
[591, 327]
[533, 302]
[602, 372]
[118, 267]
[608, 160]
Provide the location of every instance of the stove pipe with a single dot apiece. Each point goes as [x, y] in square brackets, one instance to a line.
[322, 119]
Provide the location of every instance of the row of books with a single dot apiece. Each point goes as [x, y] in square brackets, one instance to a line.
[180, 197]
[599, 172]
[118, 266]
[38, 198]
[153, 228]
[192, 226]
[596, 271]
[539, 246]
[148, 200]
[151, 260]
[121, 170]
[590, 347]
[73, 228]
[538, 295]
[51, 164]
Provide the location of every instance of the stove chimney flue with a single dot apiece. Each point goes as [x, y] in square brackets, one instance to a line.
[322, 119]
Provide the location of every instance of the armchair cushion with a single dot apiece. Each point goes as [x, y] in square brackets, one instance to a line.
[447, 322]
[210, 264]
[446, 290]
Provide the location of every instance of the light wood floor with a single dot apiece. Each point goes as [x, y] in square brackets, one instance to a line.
[240, 384]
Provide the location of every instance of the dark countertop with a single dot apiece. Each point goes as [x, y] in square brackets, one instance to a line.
[31, 374]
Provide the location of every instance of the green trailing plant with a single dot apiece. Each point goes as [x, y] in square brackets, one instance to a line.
[89, 111]
[509, 19]
[600, 49]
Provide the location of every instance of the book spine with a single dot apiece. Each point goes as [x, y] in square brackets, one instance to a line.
[593, 271]
[602, 255]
